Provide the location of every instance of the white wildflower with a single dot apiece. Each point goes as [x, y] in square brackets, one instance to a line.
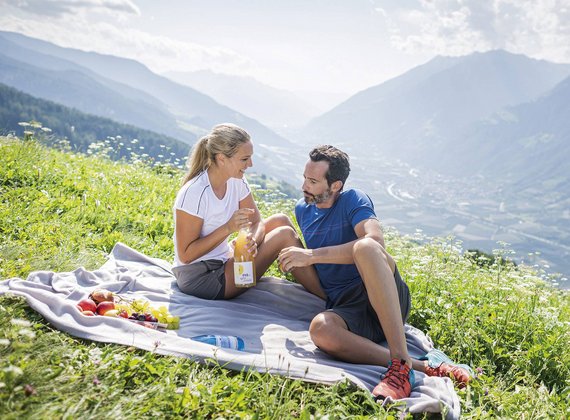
[20, 322]
[13, 370]
[26, 332]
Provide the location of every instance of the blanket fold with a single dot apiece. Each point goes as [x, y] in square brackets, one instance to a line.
[272, 318]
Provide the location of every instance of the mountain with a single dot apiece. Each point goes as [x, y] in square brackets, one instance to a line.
[527, 144]
[194, 111]
[128, 92]
[67, 84]
[82, 130]
[419, 115]
[274, 107]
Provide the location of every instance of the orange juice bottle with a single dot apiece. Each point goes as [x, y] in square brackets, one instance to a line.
[244, 267]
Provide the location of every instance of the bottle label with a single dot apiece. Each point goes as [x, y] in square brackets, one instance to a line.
[243, 273]
[227, 342]
[224, 341]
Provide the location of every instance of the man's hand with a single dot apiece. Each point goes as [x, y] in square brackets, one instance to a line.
[292, 257]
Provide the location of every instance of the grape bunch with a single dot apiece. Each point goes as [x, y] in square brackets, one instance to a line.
[141, 311]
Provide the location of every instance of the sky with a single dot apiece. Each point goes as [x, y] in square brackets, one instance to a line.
[338, 46]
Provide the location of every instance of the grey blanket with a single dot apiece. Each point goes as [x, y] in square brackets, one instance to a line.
[272, 318]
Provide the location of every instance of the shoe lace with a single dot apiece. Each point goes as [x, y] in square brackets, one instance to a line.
[397, 374]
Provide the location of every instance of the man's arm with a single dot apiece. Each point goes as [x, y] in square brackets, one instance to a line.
[342, 254]
[293, 257]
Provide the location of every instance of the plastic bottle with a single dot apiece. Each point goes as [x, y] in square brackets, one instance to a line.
[224, 341]
[244, 267]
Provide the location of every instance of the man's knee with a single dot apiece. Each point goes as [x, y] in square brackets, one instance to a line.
[368, 251]
[322, 331]
[367, 247]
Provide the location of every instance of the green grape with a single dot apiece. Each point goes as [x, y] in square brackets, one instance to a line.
[142, 306]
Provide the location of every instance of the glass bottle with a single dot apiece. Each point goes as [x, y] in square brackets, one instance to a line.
[244, 266]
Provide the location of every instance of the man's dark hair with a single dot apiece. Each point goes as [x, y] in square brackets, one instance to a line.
[339, 167]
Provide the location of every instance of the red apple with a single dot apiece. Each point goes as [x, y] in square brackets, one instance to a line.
[87, 305]
[101, 295]
[123, 313]
[104, 307]
[88, 313]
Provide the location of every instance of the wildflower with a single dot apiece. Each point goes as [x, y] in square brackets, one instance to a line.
[13, 370]
[20, 322]
[96, 381]
[95, 355]
[26, 332]
[479, 371]
[118, 357]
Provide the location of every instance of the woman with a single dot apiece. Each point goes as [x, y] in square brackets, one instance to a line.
[216, 201]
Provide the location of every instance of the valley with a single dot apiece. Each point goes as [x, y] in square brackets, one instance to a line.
[476, 211]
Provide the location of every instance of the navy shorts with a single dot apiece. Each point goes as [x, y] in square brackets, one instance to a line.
[203, 279]
[355, 309]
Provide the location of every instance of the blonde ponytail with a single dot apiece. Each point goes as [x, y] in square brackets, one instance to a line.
[224, 138]
[198, 160]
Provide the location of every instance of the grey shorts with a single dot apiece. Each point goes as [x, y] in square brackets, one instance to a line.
[203, 279]
[355, 309]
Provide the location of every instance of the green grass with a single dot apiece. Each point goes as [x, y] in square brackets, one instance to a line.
[59, 211]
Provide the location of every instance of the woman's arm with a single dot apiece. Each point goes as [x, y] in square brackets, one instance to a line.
[190, 246]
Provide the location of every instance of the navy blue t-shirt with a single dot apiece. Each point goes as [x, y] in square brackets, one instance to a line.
[334, 226]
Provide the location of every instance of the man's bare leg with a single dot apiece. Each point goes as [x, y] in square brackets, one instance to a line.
[330, 333]
[378, 277]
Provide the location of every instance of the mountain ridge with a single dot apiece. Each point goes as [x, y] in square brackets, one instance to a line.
[193, 110]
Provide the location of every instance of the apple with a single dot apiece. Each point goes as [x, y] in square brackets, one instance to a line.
[101, 295]
[104, 307]
[87, 305]
[123, 313]
[88, 313]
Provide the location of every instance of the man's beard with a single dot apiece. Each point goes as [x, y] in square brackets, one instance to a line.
[318, 198]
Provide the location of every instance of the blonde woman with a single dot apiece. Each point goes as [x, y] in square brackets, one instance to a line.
[215, 201]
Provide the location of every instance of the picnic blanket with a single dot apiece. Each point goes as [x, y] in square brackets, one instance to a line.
[272, 318]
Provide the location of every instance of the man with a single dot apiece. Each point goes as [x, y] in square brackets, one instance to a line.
[367, 300]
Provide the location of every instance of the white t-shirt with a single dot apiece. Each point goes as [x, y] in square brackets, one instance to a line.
[197, 198]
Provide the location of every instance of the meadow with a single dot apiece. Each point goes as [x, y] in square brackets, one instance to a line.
[60, 210]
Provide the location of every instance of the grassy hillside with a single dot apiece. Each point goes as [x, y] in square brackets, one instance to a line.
[82, 130]
[62, 210]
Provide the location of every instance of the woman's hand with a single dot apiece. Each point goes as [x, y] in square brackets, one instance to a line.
[251, 245]
[240, 219]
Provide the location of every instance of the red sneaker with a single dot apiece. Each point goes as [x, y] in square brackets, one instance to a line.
[458, 374]
[397, 382]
